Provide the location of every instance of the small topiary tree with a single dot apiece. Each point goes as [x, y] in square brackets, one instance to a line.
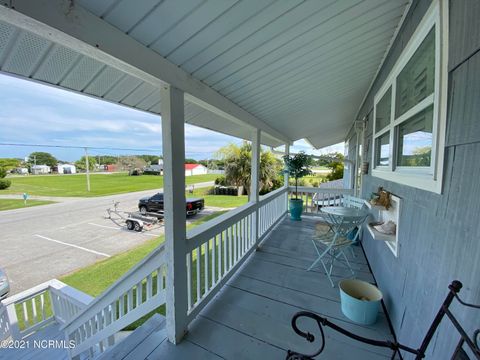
[298, 166]
[3, 172]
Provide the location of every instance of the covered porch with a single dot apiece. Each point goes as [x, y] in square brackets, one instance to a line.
[250, 317]
[271, 73]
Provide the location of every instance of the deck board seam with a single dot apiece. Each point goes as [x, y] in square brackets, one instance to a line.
[302, 268]
[295, 267]
[301, 307]
[204, 348]
[289, 288]
[296, 254]
[242, 332]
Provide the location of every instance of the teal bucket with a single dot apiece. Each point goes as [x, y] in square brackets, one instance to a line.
[296, 209]
[360, 301]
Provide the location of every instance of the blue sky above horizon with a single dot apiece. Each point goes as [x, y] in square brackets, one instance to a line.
[31, 113]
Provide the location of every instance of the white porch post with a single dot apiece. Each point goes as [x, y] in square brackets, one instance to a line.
[286, 177]
[173, 132]
[255, 177]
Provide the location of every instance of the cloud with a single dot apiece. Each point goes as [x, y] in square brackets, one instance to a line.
[33, 113]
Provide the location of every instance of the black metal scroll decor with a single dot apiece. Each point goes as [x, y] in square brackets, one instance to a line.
[458, 354]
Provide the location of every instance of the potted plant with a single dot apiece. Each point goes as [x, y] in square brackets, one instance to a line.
[297, 166]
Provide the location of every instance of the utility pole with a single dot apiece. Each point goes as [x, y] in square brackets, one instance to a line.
[88, 169]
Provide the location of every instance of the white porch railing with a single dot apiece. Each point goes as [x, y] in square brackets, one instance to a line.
[140, 291]
[217, 248]
[4, 323]
[271, 207]
[31, 310]
[315, 198]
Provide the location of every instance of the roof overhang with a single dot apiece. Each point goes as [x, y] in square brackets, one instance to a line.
[291, 69]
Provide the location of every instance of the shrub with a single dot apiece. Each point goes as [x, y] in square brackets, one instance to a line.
[221, 180]
[3, 172]
[5, 184]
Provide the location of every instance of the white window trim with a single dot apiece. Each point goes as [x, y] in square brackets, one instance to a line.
[425, 178]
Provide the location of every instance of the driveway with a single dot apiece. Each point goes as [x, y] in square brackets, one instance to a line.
[45, 242]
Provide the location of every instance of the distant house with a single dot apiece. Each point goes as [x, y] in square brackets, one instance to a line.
[195, 169]
[20, 170]
[110, 168]
[66, 169]
[40, 169]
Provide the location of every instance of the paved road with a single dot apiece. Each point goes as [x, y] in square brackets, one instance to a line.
[44, 242]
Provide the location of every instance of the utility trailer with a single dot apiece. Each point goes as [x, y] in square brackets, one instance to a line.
[134, 221]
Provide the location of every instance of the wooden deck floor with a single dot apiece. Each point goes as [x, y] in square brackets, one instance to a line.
[250, 318]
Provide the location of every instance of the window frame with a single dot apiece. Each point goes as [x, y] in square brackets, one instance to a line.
[426, 178]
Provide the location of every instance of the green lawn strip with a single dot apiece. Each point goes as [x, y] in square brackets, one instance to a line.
[9, 204]
[223, 201]
[94, 279]
[101, 184]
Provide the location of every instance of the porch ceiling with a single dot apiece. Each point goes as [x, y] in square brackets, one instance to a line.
[300, 67]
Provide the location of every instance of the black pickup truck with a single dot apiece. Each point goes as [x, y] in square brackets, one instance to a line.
[155, 204]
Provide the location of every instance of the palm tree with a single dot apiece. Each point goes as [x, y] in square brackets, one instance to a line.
[238, 165]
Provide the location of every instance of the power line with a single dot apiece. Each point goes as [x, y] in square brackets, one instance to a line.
[80, 147]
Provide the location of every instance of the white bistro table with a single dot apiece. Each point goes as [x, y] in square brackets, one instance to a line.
[343, 211]
[342, 221]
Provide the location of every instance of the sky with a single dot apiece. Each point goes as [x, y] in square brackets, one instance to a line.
[32, 113]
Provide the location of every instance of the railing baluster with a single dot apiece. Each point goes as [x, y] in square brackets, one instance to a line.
[149, 285]
[214, 259]
[34, 310]
[189, 280]
[199, 261]
[225, 250]
[230, 250]
[235, 242]
[42, 305]
[220, 252]
[206, 273]
[25, 315]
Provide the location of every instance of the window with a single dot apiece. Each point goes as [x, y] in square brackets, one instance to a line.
[410, 107]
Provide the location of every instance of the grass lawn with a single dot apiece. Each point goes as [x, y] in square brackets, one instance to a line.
[224, 201]
[94, 279]
[101, 184]
[9, 204]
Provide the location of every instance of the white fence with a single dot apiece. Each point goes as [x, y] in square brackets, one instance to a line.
[140, 291]
[315, 198]
[217, 248]
[4, 323]
[31, 310]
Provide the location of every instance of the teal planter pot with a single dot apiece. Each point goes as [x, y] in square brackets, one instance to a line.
[360, 301]
[296, 209]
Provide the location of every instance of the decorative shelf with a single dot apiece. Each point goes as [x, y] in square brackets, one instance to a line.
[380, 213]
[377, 235]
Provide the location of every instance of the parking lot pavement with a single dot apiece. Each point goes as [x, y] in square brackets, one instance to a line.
[45, 242]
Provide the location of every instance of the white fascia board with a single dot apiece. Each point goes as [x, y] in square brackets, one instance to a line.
[70, 25]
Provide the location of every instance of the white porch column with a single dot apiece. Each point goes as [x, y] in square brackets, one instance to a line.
[173, 137]
[286, 177]
[255, 177]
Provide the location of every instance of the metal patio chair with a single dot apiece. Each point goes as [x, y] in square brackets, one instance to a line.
[354, 202]
[329, 245]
